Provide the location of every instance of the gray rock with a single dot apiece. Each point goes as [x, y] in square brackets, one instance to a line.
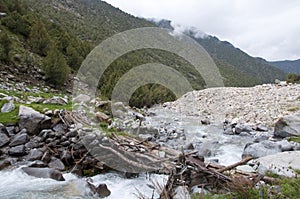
[44, 173]
[288, 126]
[261, 149]
[82, 98]
[10, 130]
[66, 143]
[101, 190]
[32, 120]
[59, 128]
[72, 134]
[8, 107]
[244, 134]
[34, 154]
[296, 146]
[4, 139]
[261, 127]
[284, 163]
[228, 131]
[4, 164]
[45, 134]
[34, 143]
[242, 128]
[285, 145]
[261, 138]
[56, 100]
[20, 138]
[56, 164]
[205, 122]
[17, 150]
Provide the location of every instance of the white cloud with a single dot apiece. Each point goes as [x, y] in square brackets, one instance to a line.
[268, 29]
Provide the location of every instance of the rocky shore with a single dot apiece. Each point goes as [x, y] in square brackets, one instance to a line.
[256, 122]
[263, 104]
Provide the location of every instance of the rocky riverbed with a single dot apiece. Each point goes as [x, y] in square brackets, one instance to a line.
[260, 104]
[221, 128]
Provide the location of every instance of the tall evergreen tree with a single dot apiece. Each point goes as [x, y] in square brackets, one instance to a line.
[5, 44]
[55, 67]
[39, 39]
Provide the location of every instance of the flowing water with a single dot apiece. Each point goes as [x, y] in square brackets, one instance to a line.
[15, 184]
[226, 148]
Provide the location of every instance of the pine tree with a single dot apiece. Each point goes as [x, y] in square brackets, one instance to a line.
[39, 39]
[55, 67]
[5, 44]
[74, 59]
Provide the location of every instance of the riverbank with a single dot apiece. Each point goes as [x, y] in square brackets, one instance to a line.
[55, 139]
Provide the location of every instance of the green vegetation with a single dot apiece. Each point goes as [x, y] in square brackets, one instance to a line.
[294, 139]
[293, 78]
[294, 109]
[241, 188]
[57, 36]
[288, 66]
[12, 117]
[36, 40]
[256, 68]
[55, 67]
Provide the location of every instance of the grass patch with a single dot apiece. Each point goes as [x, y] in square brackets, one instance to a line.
[11, 117]
[210, 196]
[294, 109]
[294, 139]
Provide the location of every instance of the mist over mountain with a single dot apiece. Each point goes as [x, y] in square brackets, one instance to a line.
[225, 52]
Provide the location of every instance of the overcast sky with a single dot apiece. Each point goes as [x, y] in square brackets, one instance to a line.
[262, 28]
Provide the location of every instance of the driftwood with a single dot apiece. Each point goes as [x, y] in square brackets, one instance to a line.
[134, 155]
[191, 170]
[245, 160]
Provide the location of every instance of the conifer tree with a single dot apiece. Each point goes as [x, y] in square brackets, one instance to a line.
[55, 67]
[5, 47]
[39, 39]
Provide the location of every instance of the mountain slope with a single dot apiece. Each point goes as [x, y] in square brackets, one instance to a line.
[224, 52]
[288, 66]
[93, 20]
[69, 26]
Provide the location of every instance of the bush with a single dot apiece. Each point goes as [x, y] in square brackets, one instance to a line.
[293, 78]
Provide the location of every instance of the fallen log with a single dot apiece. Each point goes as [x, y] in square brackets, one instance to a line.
[242, 162]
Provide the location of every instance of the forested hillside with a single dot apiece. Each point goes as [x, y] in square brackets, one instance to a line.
[30, 42]
[52, 38]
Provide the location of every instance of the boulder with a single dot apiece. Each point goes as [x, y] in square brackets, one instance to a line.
[285, 145]
[281, 163]
[287, 126]
[261, 149]
[56, 164]
[32, 120]
[102, 117]
[8, 107]
[17, 150]
[4, 139]
[82, 98]
[261, 127]
[56, 100]
[4, 164]
[34, 154]
[242, 128]
[101, 190]
[44, 173]
[20, 138]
